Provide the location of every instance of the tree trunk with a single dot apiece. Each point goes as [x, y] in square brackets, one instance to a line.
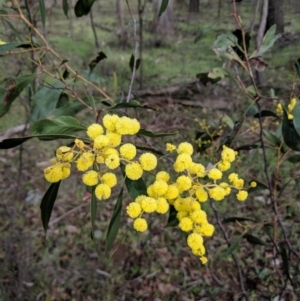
[194, 6]
[275, 15]
[122, 32]
[164, 23]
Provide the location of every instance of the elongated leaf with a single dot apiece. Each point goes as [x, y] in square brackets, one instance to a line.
[11, 46]
[131, 63]
[294, 159]
[289, 133]
[235, 219]
[163, 7]
[45, 101]
[266, 113]
[13, 142]
[172, 220]
[150, 149]
[285, 261]
[153, 135]
[131, 104]
[11, 89]
[255, 240]
[70, 109]
[83, 7]
[233, 246]
[224, 41]
[65, 7]
[43, 11]
[205, 30]
[134, 188]
[297, 67]
[268, 41]
[114, 224]
[62, 125]
[47, 204]
[272, 138]
[93, 211]
[101, 56]
[296, 116]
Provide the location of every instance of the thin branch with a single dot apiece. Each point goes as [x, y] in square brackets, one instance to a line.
[135, 53]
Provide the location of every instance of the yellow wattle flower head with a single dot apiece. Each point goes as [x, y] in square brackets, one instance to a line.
[140, 198]
[148, 204]
[217, 193]
[183, 162]
[66, 169]
[109, 122]
[115, 139]
[215, 174]
[127, 126]
[94, 130]
[140, 224]
[100, 141]
[163, 175]
[90, 178]
[109, 179]
[162, 206]
[206, 229]
[148, 161]
[228, 154]
[134, 171]
[172, 192]
[79, 143]
[203, 259]
[186, 224]
[170, 147]
[253, 184]
[109, 151]
[185, 148]
[64, 153]
[102, 192]
[128, 151]
[197, 169]
[85, 161]
[183, 183]
[134, 209]
[224, 165]
[200, 251]
[242, 195]
[182, 214]
[201, 195]
[195, 241]
[159, 187]
[150, 191]
[198, 216]
[112, 161]
[226, 187]
[53, 173]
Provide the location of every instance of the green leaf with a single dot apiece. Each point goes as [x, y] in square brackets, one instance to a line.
[268, 41]
[205, 30]
[150, 149]
[217, 73]
[233, 246]
[131, 104]
[131, 63]
[83, 7]
[294, 159]
[45, 101]
[150, 134]
[93, 211]
[172, 220]
[43, 11]
[70, 109]
[11, 89]
[297, 67]
[47, 204]
[11, 46]
[101, 56]
[205, 79]
[266, 113]
[134, 188]
[114, 224]
[13, 142]
[272, 138]
[224, 41]
[285, 261]
[62, 125]
[65, 7]
[255, 240]
[91, 76]
[163, 7]
[235, 219]
[296, 116]
[289, 133]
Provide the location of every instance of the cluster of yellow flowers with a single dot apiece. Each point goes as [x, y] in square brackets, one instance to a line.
[291, 106]
[102, 150]
[186, 193]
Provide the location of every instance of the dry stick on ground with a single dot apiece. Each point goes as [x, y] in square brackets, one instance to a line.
[236, 262]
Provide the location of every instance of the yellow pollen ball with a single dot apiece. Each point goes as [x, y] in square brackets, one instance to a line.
[112, 161]
[163, 175]
[183, 183]
[197, 169]
[148, 161]
[134, 209]
[148, 204]
[85, 161]
[54, 173]
[100, 141]
[253, 184]
[90, 178]
[94, 130]
[215, 174]
[242, 195]
[128, 151]
[195, 241]
[224, 165]
[170, 147]
[109, 179]
[183, 161]
[134, 171]
[109, 122]
[140, 224]
[228, 154]
[160, 187]
[201, 195]
[162, 205]
[186, 224]
[64, 153]
[185, 148]
[102, 192]
[114, 139]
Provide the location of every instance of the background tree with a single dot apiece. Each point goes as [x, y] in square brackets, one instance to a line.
[275, 15]
[194, 6]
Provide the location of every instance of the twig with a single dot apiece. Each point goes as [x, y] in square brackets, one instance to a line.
[135, 53]
[239, 270]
